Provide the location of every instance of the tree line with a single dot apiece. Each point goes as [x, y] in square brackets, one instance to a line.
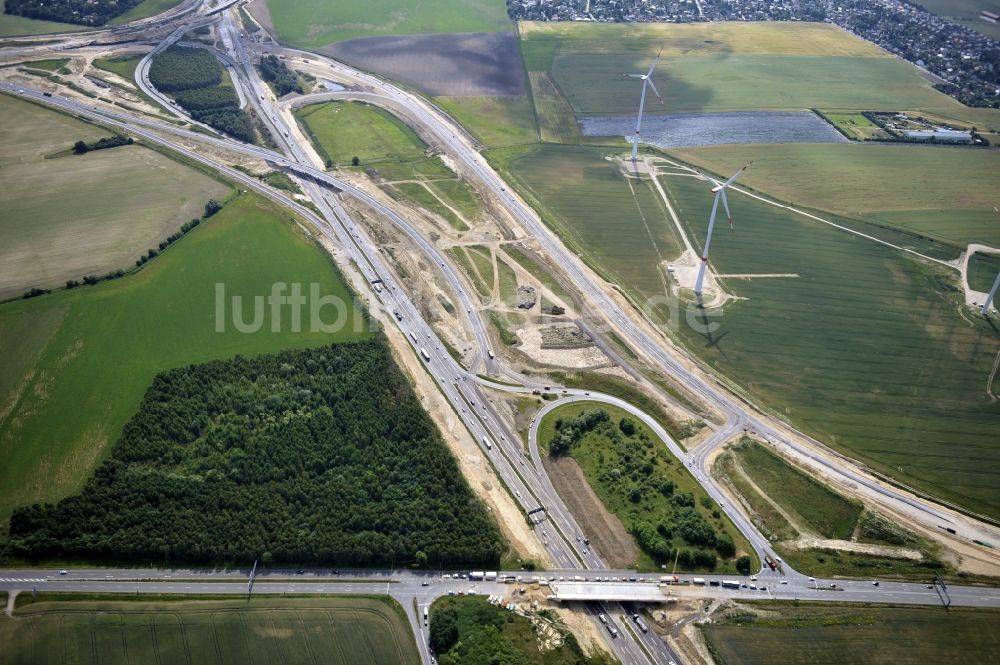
[81, 147]
[319, 456]
[79, 12]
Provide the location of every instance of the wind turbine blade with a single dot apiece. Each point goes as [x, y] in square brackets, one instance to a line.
[655, 91]
[642, 103]
[736, 175]
[634, 76]
[725, 204]
[653, 66]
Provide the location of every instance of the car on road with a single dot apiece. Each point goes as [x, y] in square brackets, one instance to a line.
[63, 572]
[875, 583]
[425, 584]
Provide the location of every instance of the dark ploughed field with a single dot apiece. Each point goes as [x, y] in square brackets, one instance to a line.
[463, 64]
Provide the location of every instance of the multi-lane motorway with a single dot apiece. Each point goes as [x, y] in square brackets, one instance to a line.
[523, 476]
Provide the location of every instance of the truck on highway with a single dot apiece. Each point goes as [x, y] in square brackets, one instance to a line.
[730, 584]
[699, 580]
[490, 576]
[486, 442]
[412, 336]
[476, 575]
[489, 352]
[603, 618]
[424, 353]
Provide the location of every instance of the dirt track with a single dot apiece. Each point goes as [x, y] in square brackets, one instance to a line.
[607, 535]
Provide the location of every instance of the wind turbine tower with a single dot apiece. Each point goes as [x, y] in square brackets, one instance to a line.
[989, 298]
[646, 80]
[720, 193]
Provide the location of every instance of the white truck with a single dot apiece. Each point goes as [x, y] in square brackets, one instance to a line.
[486, 442]
[490, 576]
[476, 575]
[424, 353]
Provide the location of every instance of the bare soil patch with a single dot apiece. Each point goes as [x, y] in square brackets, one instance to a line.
[608, 536]
[458, 65]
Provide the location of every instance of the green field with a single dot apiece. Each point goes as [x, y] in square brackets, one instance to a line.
[147, 8]
[855, 126]
[726, 67]
[864, 350]
[123, 65]
[983, 269]
[942, 193]
[648, 489]
[76, 215]
[826, 634]
[618, 225]
[824, 511]
[347, 630]
[384, 145]
[495, 121]
[74, 365]
[478, 633]
[11, 25]
[312, 23]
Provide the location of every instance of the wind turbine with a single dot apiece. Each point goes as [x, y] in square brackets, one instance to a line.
[720, 193]
[989, 298]
[646, 80]
[996, 283]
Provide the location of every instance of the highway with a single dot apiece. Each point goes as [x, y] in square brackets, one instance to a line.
[523, 476]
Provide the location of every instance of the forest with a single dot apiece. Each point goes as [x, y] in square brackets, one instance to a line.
[277, 73]
[669, 516]
[194, 78]
[80, 12]
[320, 456]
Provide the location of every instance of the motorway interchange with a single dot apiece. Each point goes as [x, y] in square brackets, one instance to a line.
[464, 389]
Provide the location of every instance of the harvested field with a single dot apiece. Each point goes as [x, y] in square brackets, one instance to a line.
[607, 535]
[457, 65]
[83, 214]
[345, 630]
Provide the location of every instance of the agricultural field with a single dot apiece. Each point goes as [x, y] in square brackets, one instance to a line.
[11, 25]
[636, 478]
[345, 630]
[828, 634]
[74, 365]
[341, 131]
[983, 269]
[144, 10]
[966, 12]
[496, 121]
[471, 631]
[771, 65]
[856, 126]
[864, 349]
[942, 193]
[314, 23]
[66, 215]
[467, 64]
[619, 226]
